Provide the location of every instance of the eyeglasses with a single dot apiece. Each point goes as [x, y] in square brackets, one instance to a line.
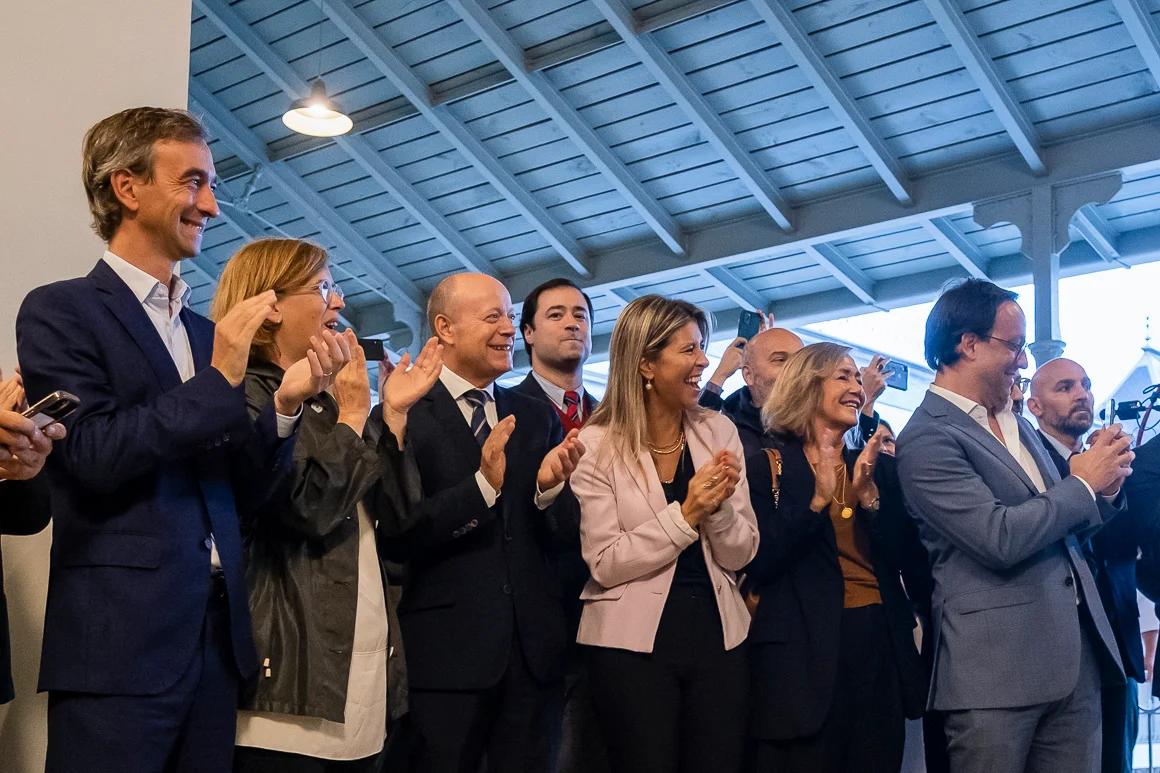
[1023, 384]
[1016, 348]
[326, 288]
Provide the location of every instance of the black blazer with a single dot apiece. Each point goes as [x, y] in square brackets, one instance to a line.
[24, 509]
[1113, 550]
[479, 576]
[570, 566]
[794, 637]
[151, 466]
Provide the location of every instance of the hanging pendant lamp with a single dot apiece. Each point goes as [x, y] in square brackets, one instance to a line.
[317, 115]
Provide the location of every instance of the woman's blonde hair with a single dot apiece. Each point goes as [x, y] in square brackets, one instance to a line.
[796, 398]
[643, 329]
[282, 265]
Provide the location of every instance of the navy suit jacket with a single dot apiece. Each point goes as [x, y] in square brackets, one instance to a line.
[146, 474]
[480, 575]
[1113, 550]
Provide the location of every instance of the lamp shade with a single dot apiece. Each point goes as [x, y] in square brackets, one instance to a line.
[317, 115]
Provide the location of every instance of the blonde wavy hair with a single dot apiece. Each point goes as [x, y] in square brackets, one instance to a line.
[643, 329]
[282, 265]
[797, 396]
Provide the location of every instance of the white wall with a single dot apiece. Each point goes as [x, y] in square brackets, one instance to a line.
[66, 64]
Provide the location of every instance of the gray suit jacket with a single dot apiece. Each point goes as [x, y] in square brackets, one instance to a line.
[1005, 561]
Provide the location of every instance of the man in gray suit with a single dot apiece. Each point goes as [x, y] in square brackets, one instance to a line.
[1020, 640]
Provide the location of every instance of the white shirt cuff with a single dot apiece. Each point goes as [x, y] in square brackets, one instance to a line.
[286, 424]
[679, 519]
[1087, 486]
[544, 499]
[489, 494]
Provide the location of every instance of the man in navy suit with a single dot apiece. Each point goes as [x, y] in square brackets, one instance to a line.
[147, 628]
[556, 323]
[1061, 401]
[481, 612]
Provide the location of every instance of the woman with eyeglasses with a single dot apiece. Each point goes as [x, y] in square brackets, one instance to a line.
[834, 667]
[665, 524]
[331, 673]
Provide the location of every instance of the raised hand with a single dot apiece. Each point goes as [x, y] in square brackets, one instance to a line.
[1105, 465]
[352, 387]
[234, 333]
[874, 382]
[709, 487]
[558, 465]
[409, 381]
[864, 488]
[825, 480]
[312, 374]
[730, 363]
[492, 458]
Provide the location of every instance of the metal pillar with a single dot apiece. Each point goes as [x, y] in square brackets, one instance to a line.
[1042, 215]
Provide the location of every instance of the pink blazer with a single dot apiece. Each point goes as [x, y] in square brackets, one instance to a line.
[631, 537]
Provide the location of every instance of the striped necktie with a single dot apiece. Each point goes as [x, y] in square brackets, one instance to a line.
[477, 398]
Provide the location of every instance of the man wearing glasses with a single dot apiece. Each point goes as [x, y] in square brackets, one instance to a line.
[1021, 644]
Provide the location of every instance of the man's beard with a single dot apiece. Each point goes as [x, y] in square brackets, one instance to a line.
[1072, 426]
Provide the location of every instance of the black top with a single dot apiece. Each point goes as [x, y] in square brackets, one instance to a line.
[691, 569]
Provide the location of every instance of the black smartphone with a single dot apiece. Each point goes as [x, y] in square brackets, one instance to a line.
[373, 348]
[898, 375]
[52, 408]
[748, 324]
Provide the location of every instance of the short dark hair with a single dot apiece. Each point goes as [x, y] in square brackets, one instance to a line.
[968, 307]
[532, 302]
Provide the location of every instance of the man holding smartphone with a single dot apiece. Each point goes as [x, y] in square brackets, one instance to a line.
[147, 629]
[24, 502]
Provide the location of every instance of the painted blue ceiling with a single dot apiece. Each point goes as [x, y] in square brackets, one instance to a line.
[703, 130]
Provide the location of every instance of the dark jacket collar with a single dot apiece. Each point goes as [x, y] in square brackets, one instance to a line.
[740, 407]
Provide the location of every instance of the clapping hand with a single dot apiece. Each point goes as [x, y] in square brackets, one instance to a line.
[710, 486]
[864, 487]
[314, 373]
[558, 465]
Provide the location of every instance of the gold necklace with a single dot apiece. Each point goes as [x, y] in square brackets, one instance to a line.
[677, 445]
[847, 512]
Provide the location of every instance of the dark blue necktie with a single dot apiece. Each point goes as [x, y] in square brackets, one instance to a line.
[477, 398]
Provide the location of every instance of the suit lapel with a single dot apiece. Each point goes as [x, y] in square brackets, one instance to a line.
[937, 406]
[1049, 469]
[120, 301]
[200, 339]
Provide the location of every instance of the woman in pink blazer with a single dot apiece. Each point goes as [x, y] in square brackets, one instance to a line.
[665, 525]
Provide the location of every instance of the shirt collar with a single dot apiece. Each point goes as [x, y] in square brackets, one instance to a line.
[965, 404]
[556, 393]
[457, 384]
[144, 285]
[1063, 450]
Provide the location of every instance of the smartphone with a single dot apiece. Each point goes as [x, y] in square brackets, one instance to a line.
[748, 324]
[373, 348]
[898, 375]
[1108, 412]
[52, 408]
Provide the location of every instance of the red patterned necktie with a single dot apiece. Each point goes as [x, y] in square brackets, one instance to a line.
[571, 415]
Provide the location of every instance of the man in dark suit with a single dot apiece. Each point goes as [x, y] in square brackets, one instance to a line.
[1021, 644]
[1062, 403]
[147, 628]
[24, 504]
[556, 323]
[481, 613]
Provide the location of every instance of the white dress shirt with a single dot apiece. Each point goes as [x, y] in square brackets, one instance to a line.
[458, 386]
[163, 306]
